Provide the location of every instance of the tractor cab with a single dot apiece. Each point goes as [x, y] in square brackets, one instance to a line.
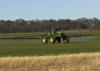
[56, 29]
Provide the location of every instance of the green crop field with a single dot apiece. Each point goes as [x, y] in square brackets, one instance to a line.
[35, 47]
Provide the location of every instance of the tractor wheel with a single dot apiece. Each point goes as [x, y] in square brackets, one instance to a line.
[58, 39]
[66, 39]
[45, 40]
[52, 40]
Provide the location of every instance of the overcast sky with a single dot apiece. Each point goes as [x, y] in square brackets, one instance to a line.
[49, 9]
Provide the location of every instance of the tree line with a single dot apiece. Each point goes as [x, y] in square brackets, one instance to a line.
[21, 25]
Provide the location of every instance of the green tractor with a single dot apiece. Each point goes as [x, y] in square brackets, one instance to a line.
[55, 35]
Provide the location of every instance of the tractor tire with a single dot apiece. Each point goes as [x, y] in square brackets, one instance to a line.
[58, 39]
[52, 40]
[45, 40]
[66, 39]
